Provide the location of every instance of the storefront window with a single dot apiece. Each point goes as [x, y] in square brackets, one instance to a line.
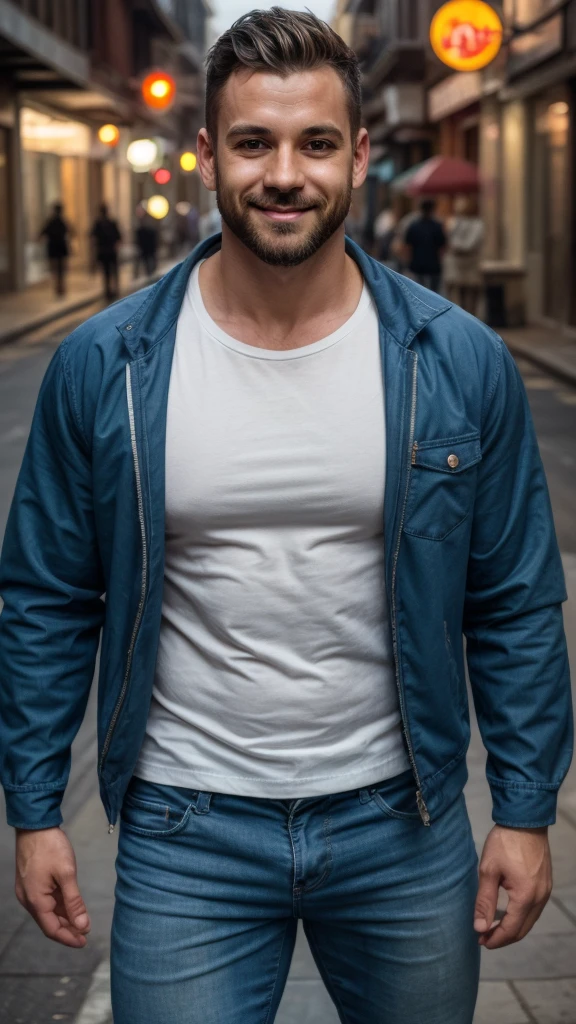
[54, 158]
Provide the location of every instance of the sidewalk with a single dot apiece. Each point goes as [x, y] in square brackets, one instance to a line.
[21, 312]
[548, 349]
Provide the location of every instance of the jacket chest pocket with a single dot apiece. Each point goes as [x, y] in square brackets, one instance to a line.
[442, 485]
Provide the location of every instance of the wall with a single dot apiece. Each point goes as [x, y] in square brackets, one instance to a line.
[513, 211]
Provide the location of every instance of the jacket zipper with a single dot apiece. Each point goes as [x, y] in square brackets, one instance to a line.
[144, 577]
[412, 449]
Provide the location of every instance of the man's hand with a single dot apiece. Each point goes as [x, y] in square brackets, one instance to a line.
[46, 885]
[518, 859]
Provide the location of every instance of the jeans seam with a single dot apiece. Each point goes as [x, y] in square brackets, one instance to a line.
[326, 974]
[267, 1017]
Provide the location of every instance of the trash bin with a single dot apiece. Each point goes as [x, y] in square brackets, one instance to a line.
[504, 295]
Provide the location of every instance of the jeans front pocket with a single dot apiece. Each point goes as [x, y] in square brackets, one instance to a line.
[159, 812]
[396, 797]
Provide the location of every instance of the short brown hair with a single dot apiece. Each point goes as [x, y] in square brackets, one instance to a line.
[282, 42]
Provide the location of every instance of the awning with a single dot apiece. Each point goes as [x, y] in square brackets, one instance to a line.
[443, 175]
[402, 180]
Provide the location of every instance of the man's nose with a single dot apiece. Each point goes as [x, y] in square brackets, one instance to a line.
[283, 170]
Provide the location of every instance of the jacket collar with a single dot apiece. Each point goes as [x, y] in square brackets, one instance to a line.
[403, 307]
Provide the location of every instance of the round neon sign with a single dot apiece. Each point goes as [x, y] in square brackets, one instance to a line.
[466, 34]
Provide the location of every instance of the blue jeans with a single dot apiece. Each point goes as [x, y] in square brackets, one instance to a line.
[210, 888]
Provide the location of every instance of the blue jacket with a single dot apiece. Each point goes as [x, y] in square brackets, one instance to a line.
[469, 542]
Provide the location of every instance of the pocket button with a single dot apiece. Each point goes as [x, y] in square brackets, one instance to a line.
[453, 461]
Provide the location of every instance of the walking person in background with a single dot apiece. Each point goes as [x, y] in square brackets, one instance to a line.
[106, 236]
[426, 240]
[462, 271]
[146, 238]
[384, 233]
[57, 232]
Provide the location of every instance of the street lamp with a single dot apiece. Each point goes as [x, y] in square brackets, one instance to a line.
[157, 207]
[162, 176]
[109, 134]
[158, 90]
[188, 161]
[141, 154]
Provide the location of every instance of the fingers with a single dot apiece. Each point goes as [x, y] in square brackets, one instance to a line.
[43, 907]
[75, 909]
[518, 920]
[47, 886]
[486, 900]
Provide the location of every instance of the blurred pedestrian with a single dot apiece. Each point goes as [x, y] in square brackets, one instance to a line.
[146, 238]
[462, 272]
[384, 233]
[426, 240]
[57, 232]
[106, 235]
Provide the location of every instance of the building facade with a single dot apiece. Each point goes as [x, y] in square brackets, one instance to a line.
[66, 68]
[514, 119]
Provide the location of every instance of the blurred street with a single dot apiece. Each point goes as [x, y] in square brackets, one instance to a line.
[533, 982]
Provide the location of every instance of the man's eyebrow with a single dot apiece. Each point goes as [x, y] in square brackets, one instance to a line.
[260, 131]
[248, 129]
[323, 129]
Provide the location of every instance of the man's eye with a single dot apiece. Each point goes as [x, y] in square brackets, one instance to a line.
[319, 145]
[253, 145]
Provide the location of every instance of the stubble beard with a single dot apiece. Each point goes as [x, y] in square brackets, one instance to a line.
[238, 219]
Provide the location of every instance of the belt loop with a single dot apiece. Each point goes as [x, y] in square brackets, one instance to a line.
[203, 803]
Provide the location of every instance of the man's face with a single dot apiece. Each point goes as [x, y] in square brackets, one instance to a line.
[285, 163]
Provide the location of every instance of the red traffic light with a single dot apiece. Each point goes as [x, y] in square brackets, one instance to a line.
[158, 90]
[162, 176]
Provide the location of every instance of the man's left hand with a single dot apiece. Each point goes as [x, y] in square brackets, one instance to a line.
[518, 859]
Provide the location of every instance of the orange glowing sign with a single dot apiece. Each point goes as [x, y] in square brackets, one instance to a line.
[466, 34]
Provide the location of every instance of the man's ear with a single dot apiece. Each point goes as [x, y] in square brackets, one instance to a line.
[206, 153]
[361, 158]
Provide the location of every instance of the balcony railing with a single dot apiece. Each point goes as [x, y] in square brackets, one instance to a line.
[68, 19]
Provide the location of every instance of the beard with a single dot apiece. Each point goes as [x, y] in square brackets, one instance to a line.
[287, 247]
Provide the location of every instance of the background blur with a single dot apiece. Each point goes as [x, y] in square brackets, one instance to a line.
[100, 104]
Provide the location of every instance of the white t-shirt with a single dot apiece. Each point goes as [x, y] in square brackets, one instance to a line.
[274, 675]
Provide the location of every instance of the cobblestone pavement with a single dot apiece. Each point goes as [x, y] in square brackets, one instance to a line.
[533, 982]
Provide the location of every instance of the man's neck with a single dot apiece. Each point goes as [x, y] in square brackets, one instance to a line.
[280, 307]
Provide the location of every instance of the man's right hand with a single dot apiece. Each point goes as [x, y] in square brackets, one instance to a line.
[46, 884]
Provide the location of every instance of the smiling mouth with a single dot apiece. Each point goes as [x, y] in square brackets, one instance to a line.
[283, 214]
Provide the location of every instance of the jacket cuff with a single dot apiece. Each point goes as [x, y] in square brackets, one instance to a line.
[517, 806]
[34, 808]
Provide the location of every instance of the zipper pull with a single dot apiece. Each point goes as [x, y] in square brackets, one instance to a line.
[414, 450]
[422, 808]
[110, 828]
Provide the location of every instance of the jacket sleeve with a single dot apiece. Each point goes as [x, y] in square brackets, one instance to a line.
[516, 648]
[51, 583]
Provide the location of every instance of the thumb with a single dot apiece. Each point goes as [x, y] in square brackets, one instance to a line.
[74, 904]
[486, 901]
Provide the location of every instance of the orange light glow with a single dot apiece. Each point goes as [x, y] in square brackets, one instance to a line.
[159, 90]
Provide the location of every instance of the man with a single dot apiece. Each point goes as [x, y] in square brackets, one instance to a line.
[425, 240]
[106, 236]
[298, 479]
[56, 231]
